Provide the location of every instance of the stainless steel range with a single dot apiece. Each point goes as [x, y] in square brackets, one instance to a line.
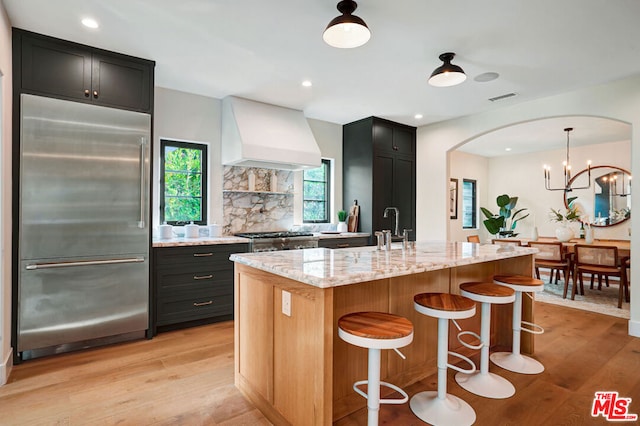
[272, 241]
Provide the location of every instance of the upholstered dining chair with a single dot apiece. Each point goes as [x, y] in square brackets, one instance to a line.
[551, 256]
[506, 241]
[473, 238]
[600, 260]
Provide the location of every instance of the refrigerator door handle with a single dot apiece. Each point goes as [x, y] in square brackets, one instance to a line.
[83, 263]
[141, 223]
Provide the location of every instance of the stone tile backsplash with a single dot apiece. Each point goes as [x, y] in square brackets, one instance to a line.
[263, 209]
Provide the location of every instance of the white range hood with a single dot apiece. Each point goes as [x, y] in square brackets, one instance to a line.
[255, 134]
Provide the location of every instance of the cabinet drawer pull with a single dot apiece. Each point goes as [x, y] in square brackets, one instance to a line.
[95, 94]
[202, 277]
[202, 254]
[86, 93]
[342, 245]
[203, 303]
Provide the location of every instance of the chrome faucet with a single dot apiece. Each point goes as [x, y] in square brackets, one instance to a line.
[397, 213]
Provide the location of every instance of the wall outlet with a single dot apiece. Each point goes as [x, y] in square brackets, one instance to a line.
[286, 303]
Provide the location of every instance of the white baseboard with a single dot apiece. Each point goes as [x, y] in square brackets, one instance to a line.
[634, 328]
[5, 367]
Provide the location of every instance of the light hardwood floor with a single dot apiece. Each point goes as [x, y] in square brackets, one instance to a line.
[186, 378]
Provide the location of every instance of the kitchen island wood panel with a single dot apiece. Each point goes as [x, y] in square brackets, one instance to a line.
[296, 369]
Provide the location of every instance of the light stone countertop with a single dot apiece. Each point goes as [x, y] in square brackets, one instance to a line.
[326, 268]
[324, 236]
[200, 241]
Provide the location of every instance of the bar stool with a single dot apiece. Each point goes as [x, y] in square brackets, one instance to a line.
[483, 382]
[376, 331]
[441, 408]
[514, 361]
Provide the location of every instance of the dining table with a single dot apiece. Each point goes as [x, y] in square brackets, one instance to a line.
[624, 246]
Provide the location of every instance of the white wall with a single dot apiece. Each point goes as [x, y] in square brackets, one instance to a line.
[6, 356]
[522, 176]
[194, 118]
[468, 166]
[329, 139]
[617, 100]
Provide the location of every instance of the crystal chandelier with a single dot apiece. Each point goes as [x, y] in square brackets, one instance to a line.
[566, 166]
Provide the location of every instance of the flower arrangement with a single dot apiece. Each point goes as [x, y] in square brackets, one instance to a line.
[568, 215]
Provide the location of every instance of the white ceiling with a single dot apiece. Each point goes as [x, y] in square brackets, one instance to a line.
[263, 50]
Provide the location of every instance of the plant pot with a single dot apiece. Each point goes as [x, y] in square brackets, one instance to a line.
[564, 233]
[342, 227]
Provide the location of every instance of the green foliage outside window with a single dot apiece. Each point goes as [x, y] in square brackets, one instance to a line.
[184, 182]
[315, 196]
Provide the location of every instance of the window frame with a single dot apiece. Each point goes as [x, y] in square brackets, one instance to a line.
[204, 165]
[474, 205]
[327, 193]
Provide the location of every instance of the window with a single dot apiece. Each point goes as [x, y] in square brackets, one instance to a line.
[469, 204]
[315, 194]
[183, 182]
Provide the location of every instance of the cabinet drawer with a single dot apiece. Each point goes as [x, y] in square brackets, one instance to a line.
[180, 281]
[335, 243]
[199, 255]
[172, 311]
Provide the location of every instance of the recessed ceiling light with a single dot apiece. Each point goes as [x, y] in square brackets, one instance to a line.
[90, 23]
[507, 149]
[487, 76]
[306, 83]
[417, 116]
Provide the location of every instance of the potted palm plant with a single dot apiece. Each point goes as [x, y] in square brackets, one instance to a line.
[504, 222]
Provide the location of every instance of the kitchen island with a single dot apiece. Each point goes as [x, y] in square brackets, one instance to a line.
[289, 360]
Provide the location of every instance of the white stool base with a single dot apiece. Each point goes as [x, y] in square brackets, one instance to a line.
[516, 363]
[488, 385]
[449, 411]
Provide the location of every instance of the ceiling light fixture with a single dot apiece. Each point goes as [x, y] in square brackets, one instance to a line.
[347, 30]
[447, 74]
[566, 166]
[307, 83]
[417, 116]
[90, 23]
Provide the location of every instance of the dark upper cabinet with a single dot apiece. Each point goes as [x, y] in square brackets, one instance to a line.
[379, 170]
[61, 69]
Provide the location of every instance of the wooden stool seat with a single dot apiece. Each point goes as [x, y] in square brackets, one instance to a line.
[520, 282]
[376, 325]
[487, 292]
[444, 305]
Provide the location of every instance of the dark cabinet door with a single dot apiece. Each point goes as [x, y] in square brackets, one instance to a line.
[56, 69]
[66, 70]
[121, 83]
[404, 191]
[383, 188]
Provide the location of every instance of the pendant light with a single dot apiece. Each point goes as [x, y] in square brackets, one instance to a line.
[346, 31]
[566, 166]
[447, 74]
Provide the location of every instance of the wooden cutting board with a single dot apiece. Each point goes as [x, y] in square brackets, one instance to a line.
[352, 220]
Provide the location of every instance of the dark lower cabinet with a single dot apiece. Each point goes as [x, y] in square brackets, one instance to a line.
[62, 69]
[193, 284]
[336, 243]
[379, 170]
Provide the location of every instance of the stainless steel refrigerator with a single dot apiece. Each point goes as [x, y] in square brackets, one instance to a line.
[84, 226]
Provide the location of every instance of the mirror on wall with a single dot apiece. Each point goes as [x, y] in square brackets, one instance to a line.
[607, 201]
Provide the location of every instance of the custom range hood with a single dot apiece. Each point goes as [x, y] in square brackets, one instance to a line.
[255, 134]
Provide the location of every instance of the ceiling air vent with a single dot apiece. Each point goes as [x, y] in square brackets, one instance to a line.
[501, 97]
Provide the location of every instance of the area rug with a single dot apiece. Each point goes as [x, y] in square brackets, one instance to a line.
[603, 301]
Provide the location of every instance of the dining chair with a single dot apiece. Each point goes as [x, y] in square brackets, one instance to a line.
[600, 260]
[552, 256]
[506, 241]
[473, 238]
